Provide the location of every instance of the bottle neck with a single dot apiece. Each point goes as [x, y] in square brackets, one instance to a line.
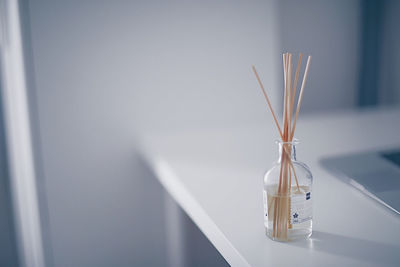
[287, 149]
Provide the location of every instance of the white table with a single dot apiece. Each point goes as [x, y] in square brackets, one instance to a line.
[216, 174]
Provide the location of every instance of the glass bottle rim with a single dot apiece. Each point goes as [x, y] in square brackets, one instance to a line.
[294, 142]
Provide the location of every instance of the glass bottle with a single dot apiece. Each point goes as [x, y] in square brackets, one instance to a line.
[288, 196]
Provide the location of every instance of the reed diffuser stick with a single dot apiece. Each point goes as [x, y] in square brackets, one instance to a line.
[273, 113]
[280, 204]
[267, 98]
[303, 84]
[295, 83]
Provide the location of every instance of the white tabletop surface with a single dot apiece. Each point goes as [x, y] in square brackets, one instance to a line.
[216, 175]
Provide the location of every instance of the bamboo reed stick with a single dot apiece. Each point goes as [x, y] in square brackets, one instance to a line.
[280, 208]
[295, 83]
[267, 98]
[301, 95]
[272, 112]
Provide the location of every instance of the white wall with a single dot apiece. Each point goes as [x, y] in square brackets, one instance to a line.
[107, 71]
[330, 31]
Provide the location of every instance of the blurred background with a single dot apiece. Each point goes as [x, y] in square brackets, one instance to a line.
[98, 75]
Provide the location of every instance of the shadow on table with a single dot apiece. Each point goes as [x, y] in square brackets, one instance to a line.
[371, 251]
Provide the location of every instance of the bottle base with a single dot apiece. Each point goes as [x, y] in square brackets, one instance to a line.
[293, 234]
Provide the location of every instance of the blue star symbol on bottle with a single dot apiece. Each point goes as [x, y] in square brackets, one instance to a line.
[295, 215]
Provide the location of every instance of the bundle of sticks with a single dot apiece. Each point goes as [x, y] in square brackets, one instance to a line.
[279, 203]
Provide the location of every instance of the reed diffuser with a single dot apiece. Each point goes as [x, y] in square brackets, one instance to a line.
[288, 184]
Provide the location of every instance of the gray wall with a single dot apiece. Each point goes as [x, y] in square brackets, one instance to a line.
[330, 32]
[8, 244]
[107, 71]
[389, 86]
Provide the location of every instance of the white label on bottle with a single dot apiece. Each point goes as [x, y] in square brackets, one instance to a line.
[300, 208]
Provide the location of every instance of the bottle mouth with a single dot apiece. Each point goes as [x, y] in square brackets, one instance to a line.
[294, 142]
